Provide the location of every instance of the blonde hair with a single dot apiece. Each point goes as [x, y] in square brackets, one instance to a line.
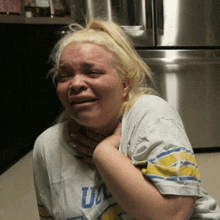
[128, 63]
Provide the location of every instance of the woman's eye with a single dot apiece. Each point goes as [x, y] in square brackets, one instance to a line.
[62, 78]
[94, 73]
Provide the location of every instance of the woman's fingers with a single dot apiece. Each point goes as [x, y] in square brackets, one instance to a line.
[81, 138]
[84, 158]
[81, 148]
[94, 136]
[84, 142]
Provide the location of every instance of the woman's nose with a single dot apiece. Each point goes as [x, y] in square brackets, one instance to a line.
[78, 84]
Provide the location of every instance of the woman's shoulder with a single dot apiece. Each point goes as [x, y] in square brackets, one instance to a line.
[52, 131]
[49, 137]
[149, 109]
[152, 104]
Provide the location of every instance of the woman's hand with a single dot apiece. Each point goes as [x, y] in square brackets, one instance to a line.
[114, 139]
[84, 142]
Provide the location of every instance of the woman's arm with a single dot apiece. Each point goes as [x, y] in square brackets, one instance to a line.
[136, 194]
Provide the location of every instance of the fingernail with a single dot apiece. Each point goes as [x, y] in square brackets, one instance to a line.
[74, 136]
[72, 144]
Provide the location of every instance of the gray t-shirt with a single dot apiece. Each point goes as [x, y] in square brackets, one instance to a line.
[67, 187]
[153, 137]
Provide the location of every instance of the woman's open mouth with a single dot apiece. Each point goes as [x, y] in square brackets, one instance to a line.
[81, 102]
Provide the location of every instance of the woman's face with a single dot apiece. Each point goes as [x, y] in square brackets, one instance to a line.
[89, 86]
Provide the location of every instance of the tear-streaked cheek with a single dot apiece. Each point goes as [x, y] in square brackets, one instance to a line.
[63, 96]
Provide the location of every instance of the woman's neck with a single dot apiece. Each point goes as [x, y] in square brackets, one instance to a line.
[99, 132]
[104, 131]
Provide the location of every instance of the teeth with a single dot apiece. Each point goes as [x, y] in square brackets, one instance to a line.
[84, 101]
[80, 102]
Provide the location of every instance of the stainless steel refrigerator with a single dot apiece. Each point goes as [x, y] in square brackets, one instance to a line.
[180, 41]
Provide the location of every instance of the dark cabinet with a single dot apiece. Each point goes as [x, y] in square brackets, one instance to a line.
[28, 99]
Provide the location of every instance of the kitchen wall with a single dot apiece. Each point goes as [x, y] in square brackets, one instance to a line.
[18, 199]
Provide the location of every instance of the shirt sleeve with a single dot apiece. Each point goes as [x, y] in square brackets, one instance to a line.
[41, 180]
[160, 148]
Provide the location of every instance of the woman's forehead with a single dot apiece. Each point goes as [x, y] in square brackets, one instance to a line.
[85, 52]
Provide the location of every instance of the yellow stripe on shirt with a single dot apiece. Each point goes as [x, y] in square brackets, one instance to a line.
[174, 163]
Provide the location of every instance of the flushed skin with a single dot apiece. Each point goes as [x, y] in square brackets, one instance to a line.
[90, 87]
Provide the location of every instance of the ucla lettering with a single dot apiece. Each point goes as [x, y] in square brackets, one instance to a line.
[99, 196]
[85, 196]
[106, 194]
[91, 196]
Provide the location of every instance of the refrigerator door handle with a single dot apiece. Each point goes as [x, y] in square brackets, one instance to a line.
[91, 11]
[137, 30]
[139, 25]
[160, 16]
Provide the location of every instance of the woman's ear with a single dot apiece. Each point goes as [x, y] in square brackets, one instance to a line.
[126, 86]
